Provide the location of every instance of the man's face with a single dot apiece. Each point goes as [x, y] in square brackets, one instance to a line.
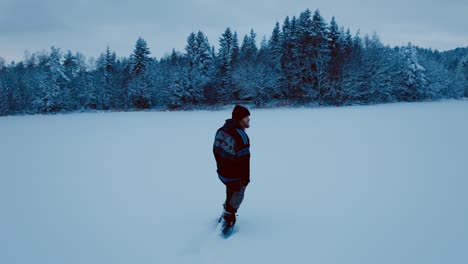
[245, 122]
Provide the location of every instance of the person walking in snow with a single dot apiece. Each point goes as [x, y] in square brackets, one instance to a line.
[231, 149]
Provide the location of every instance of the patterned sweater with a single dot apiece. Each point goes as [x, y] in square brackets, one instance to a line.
[231, 149]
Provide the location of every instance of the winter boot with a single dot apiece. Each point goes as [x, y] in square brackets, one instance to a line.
[229, 218]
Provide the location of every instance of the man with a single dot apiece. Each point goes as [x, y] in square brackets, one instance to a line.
[231, 149]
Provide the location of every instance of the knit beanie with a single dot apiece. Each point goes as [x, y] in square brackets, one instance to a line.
[240, 112]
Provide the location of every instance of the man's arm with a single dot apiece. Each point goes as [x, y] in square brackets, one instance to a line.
[244, 165]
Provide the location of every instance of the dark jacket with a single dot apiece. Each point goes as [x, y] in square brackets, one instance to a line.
[231, 149]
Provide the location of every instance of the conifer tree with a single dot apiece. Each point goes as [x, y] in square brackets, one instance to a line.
[200, 63]
[336, 45]
[274, 61]
[227, 55]
[4, 91]
[51, 84]
[71, 70]
[288, 62]
[461, 76]
[321, 57]
[138, 84]
[248, 50]
[413, 77]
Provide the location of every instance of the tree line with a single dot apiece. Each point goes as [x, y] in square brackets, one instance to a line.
[305, 61]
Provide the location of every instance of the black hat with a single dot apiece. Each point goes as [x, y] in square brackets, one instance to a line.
[240, 112]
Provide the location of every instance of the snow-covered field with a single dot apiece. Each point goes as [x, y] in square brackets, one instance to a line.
[371, 184]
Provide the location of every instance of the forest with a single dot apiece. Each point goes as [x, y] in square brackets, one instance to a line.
[305, 61]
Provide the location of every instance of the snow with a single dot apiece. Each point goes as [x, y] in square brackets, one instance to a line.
[364, 184]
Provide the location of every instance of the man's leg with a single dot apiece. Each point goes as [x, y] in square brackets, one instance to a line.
[234, 196]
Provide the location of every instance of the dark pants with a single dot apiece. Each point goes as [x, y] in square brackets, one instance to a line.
[234, 195]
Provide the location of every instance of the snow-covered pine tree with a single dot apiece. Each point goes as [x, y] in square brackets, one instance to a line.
[263, 54]
[20, 98]
[4, 90]
[246, 66]
[413, 76]
[51, 84]
[83, 88]
[347, 43]
[274, 62]
[288, 62]
[378, 72]
[225, 65]
[205, 64]
[177, 94]
[160, 74]
[344, 67]
[304, 54]
[235, 53]
[205, 59]
[108, 92]
[71, 70]
[138, 85]
[321, 58]
[461, 77]
[310, 58]
[263, 47]
[352, 70]
[438, 76]
[88, 93]
[70, 65]
[263, 79]
[139, 59]
[200, 66]
[192, 56]
[248, 50]
[29, 81]
[336, 44]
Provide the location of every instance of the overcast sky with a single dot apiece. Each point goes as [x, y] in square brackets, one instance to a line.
[89, 26]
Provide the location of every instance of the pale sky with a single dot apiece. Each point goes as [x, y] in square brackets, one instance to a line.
[89, 26]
